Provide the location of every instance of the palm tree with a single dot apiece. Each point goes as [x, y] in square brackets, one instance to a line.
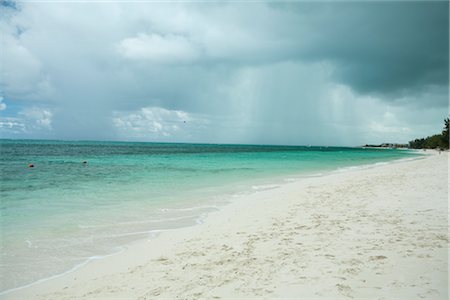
[445, 133]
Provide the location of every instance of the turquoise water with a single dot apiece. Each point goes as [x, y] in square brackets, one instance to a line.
[63, 212]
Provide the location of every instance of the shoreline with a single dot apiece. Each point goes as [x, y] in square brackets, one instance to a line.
[166, 239]
[227, 198]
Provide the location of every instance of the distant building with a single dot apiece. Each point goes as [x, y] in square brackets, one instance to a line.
[387, 145]
[393, 145]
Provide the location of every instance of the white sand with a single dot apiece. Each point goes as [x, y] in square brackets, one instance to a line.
[379, 233]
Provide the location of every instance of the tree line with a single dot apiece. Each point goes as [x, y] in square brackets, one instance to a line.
[439, 141]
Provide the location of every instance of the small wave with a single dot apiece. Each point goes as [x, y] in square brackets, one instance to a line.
[351, 168]
[30, 244]
[213, 207]
[377, 164]
[265, 187]
[201, 220]
[291, 179]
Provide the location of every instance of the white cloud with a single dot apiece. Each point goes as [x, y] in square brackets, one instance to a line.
[156, 123]
[37, 118]
[12, 125]
[2, 104]
[23, 74]
[157, 48]
[29, 122]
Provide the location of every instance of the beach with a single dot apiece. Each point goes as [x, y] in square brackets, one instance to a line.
[369, 233]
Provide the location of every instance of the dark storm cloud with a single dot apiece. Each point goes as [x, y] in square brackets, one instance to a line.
[397, 46]
[377, 46]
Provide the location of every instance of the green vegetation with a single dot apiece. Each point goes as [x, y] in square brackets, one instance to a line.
[434, 141]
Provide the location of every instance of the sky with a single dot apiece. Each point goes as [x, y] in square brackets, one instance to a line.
[292, 73]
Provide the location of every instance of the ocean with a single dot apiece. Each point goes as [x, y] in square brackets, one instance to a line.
[83, 200]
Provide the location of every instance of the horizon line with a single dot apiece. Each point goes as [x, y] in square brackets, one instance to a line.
[191, 143]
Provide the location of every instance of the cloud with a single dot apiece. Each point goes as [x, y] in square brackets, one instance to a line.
[37, 118]
[157, 123]
[23, 76]
[377, 47]
[158, 49]
[30, 122]
[11, 126]
[2, 104]
[297, 73]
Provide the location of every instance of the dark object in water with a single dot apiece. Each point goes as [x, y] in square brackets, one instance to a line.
[84, 161]
[30, 166]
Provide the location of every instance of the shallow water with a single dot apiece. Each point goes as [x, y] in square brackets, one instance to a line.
[62, 212]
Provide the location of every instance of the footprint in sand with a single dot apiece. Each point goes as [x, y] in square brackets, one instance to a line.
[344, 289]
[377, 257]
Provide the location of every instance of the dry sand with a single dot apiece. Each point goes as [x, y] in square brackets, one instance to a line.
[378, 233]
